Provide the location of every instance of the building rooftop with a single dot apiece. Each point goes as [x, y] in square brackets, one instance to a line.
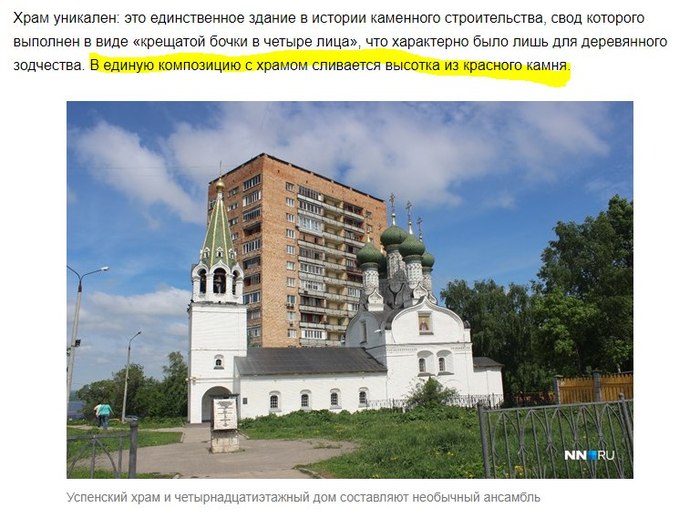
[485, 362]
[265, 155]
[267, 361]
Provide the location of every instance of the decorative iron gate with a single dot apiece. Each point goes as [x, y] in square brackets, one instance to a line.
[85, 449]
[591, 440]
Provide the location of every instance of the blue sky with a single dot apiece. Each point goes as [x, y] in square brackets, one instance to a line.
[490, 181]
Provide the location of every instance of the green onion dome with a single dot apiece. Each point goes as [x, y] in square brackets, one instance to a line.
[428, 261]
[369, 254]
[393, 235]
[411, 247]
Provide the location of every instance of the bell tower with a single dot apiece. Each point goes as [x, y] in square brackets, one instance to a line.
[217, 316]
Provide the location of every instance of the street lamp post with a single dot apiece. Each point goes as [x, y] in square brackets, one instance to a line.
[126, 375]
[74, 343]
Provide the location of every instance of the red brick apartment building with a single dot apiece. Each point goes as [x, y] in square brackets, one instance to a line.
[296, 234]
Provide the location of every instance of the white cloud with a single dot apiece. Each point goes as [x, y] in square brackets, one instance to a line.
[107, 322]
[423, 152]
[118, 158]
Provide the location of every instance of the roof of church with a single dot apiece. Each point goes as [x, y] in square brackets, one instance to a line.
[218, 235]
[485, 362]
[266, 361]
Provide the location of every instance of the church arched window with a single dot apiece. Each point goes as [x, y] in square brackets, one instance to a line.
[274, 402]
[202, 281]
[219, 362]
[362, 397]
[305, 400]
[445, 365]
[335, 398]
[421, 366]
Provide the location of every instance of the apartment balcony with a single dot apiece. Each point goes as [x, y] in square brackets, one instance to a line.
[312, 309]
[352, 214]
[333, 236]
[332, 221]
[358, 229]
[321, 342]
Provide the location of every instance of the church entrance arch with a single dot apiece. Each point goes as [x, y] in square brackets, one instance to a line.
[214, 392]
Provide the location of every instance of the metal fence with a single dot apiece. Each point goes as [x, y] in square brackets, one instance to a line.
[592, 440]
[471, 400]
[104, 449]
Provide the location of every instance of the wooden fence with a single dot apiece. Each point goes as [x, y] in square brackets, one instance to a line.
[595, 388]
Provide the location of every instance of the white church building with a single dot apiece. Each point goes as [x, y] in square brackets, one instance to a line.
[399, 336]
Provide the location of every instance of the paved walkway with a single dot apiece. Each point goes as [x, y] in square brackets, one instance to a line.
[257, 459]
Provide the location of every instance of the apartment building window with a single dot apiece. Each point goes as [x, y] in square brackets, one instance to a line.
[254, 314]
[290, 202]
[311, 318]
[233, 192]
[290, 186]
[310, 207]
[310, 224]
[252, 214]
[290, 265]
[310, 268]
[291, 300]
[309, 193]
[307, 333]
[251, 198]
[253, 245]
[291, 250]
[311, 253]
[291, 317]
[252, 182]
[290, 217]
[252, 280]
[311, 301]
[353, 307]
[235, 235]
[312, 285]
[251, 263]
[233, 221]
[252, 229]
[232, 207]
[291, 233]
[291, 282]
[354, 292]
[254, 331]
[251, 297]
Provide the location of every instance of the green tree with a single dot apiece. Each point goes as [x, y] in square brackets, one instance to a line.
[102, 391]
[585, 315]
[174, 387]
[430, 393]
[501, 328]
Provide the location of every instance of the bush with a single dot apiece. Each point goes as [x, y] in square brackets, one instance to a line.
[430, 393]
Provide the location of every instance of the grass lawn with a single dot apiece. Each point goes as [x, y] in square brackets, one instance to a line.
[442, 442]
